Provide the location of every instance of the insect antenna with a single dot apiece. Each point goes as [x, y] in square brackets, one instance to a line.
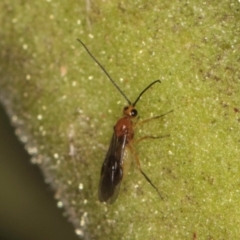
[148, 179]
[105, 71]
[134, 104]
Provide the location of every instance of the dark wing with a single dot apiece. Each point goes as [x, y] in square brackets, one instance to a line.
[112, 171]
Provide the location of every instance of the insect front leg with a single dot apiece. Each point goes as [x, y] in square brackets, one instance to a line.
[137, 123]
[150, 119]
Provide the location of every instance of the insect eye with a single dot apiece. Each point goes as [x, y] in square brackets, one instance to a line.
[125, 108]
[134, 113]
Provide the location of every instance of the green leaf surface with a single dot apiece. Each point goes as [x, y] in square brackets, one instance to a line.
[64, 109]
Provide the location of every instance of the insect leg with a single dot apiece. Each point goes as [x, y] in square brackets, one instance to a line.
[150, 137]
[137, 123]
[150, 119]
[140, 169]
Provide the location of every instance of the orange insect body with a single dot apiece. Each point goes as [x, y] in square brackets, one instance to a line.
[112, 168]
[124, 126]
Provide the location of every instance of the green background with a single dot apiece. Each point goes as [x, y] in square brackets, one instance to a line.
[63, 108]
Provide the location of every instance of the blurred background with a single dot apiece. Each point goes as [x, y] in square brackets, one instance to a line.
[27, 206]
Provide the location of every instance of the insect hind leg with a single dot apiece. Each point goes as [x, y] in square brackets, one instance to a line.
[144, 174]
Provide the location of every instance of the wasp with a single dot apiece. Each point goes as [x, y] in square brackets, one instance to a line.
[123, 134]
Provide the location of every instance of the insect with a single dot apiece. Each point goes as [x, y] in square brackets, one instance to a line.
[113, 166]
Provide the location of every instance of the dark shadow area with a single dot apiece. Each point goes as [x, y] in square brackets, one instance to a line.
[28, 210]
